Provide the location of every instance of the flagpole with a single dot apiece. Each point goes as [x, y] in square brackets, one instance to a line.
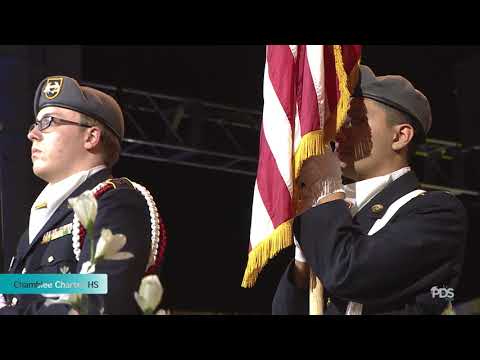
[315, 295]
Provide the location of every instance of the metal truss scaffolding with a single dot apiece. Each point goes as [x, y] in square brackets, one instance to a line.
[187, 131]
[206, 135]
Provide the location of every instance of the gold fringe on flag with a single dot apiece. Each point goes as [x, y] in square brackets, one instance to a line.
[343, 103]
[278, 240]
[315, 142]
[312, 144]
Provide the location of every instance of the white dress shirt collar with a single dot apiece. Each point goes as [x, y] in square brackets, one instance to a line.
[361, 192]
[52, 196]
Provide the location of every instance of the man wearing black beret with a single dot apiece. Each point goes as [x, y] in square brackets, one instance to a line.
[379, 245]
[76, 137]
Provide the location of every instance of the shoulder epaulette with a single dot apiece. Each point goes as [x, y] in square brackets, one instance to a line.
[158, 238]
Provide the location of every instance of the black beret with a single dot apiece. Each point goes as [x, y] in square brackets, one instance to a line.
[396, 92]
[65, 92]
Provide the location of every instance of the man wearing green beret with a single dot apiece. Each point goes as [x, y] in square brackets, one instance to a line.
[76, 137]
[379, 245]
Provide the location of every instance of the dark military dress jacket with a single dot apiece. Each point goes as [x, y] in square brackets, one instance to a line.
[389, 272]
[122, 210]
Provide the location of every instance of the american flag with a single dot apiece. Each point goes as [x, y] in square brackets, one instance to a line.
[306, 97]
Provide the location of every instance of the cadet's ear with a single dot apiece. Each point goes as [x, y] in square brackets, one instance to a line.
[92, 137]
[402, 135]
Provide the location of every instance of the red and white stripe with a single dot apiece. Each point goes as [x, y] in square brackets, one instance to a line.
[294, 104]
[299, 81]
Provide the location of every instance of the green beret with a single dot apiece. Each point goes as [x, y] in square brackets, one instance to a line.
[398, 93]
[65, 92]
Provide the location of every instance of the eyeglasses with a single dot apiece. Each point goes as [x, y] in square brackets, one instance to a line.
[45, 122]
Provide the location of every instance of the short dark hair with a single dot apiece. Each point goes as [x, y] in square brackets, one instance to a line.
[397, 117]
[110, 144]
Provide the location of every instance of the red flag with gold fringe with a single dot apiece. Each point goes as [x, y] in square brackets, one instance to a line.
[307, 91]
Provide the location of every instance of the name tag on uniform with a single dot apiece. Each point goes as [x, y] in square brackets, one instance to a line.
[57, 233]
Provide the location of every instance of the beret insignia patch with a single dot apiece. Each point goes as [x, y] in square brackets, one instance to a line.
[52, 88]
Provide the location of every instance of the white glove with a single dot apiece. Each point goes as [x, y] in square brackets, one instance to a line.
[298, 252]
[320, 176]
[3, 303]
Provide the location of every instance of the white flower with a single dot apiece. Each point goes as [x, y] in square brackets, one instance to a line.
[163, 312]
[85, 207]
[3, 303]
[73, 312]
[108, 246]
[87, 268]
[150, 294]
